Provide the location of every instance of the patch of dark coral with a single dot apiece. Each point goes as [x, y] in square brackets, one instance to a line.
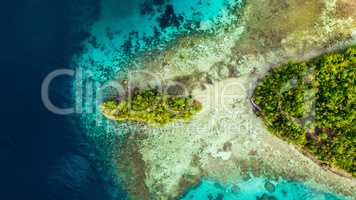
[269, 187]
[83, 13]
[149, 7]
[169, 18]
[220, 196]
[131, 44]
[133, 168]
[266, 197]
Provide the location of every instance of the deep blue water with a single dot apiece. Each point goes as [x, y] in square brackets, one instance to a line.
[39, 155]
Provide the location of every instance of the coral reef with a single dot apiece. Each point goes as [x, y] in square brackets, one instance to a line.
[223, 141]
[226, 140]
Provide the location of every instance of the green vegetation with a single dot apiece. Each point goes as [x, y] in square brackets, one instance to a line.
[151, 107]
[313, 104]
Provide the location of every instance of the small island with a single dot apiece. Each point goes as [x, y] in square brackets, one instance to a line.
[313, 105]
[151, 107]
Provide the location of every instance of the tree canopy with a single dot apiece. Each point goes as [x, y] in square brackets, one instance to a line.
[313, 104]
[152, 107]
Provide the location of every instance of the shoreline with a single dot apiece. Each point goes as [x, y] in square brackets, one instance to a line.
[326, 166]
[180, 152]
[209, 162]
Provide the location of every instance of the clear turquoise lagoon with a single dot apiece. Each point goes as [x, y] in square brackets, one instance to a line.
[256, 188]
[126, 28]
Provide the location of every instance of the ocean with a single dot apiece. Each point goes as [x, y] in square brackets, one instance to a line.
[50, 156]
[40, 158]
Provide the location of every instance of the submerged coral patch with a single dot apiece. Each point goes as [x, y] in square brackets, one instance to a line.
[252, 189]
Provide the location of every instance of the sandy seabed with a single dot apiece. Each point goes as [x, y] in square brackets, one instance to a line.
[226, 140]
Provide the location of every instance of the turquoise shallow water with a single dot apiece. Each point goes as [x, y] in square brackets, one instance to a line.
[123, 29]
[257, 188]
[126, 28]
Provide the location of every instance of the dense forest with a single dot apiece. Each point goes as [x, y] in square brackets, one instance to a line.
[152, 107]
[313, 104]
